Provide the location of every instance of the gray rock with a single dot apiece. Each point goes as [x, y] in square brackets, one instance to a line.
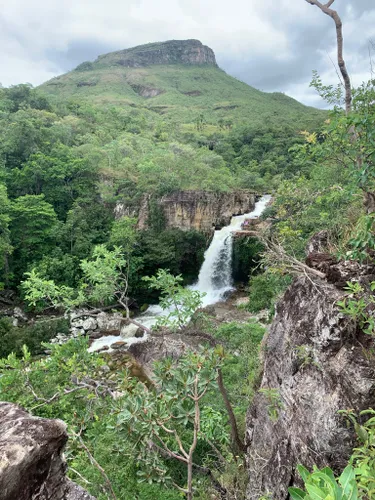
[109, 321]
[308, 429]
[89, 324]
[31, 460]
[19, 314]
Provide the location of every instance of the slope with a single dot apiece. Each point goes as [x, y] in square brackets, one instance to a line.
[188, 87]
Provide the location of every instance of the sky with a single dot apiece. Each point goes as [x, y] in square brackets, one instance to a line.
[272, 45]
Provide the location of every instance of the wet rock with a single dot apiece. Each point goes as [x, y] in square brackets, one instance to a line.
[31, 461]
[308, 429]
[103, 349]
[118, 345]
[139, 333]
[128, 329]
[160, 346]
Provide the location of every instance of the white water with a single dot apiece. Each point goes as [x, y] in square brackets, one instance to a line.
[215, 276]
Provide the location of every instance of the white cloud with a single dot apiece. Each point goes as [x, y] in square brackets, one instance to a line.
[274, 45]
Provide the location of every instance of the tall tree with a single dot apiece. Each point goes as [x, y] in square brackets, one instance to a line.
[326, 8]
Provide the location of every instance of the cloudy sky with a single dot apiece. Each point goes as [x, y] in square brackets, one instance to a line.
[271, 44]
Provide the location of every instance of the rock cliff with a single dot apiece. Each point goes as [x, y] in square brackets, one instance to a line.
[318, 362]
[199, 210]
[31, 461]
[170, 52]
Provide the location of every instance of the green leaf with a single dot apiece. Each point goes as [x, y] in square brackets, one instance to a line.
[297, 493]
[346, 479]
[303, 472]
[315, 492]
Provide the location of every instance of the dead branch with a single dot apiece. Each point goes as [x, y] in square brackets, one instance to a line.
[198, 468]
[277, 254]
[96, 465]
[326, 8]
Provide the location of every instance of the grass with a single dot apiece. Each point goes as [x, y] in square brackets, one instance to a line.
[216, 94]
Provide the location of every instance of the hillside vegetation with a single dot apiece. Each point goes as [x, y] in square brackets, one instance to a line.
[83, 141]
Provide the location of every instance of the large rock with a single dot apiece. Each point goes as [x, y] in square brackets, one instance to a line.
[184, 52]
[199, 210]
[31, 462]
[315, 360]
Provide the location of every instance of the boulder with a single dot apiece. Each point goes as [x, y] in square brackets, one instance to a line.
[160, 346]
[109, 321]
[315, 361]
[31, 460]
[89, 324]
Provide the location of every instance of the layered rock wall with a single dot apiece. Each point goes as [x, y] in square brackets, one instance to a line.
[31, 461]
[315, 360]
[199, 210]
[186, 52]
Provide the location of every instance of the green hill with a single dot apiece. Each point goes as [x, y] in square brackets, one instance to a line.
[188, 86]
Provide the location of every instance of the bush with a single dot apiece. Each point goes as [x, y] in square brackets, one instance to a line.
[12, 338]
[265, 289]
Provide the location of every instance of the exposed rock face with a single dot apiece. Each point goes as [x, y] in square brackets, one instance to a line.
[199, 210]
[327, 373]
[169, 52]
[31, 461]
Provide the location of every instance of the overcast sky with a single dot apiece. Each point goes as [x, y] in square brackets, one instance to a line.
[271, 44]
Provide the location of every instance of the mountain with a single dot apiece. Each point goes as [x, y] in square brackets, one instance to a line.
[180, 80]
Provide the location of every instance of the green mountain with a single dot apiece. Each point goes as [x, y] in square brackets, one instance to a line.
[179, 80]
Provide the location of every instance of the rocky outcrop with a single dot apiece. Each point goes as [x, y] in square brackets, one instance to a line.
[316, 363]
[170, 52]
[199, 210]
[96, 326]
[31, 461]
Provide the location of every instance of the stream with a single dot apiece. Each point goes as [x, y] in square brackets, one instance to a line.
[214, 279]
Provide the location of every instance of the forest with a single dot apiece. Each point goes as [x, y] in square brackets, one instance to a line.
[74, 148]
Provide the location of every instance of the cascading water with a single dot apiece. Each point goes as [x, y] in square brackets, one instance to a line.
[215, 276]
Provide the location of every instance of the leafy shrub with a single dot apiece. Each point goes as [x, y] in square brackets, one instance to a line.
[12, 338]
[323, 484]
[265, 289]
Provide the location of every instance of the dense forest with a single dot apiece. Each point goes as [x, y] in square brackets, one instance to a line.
[71, 150]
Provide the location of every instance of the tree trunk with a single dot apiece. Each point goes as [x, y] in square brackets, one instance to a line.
[340, 47]
[189, 495]
[236, 440]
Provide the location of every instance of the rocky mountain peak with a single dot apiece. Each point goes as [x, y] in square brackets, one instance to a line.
[188, 52]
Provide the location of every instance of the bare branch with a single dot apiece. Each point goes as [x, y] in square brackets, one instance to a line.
[340, 47]
[97, 466]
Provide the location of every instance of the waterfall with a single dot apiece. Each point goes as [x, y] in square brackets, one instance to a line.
[215, 275]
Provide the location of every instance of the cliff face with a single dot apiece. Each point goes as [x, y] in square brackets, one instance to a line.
[170, 52]
[199, 210]
[316, 361]
[31, 461]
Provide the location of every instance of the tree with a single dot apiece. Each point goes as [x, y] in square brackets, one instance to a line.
[5, 247]
[168, 421]
[326, 8]
[180, 302]
[33, 222]
[105, 279]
